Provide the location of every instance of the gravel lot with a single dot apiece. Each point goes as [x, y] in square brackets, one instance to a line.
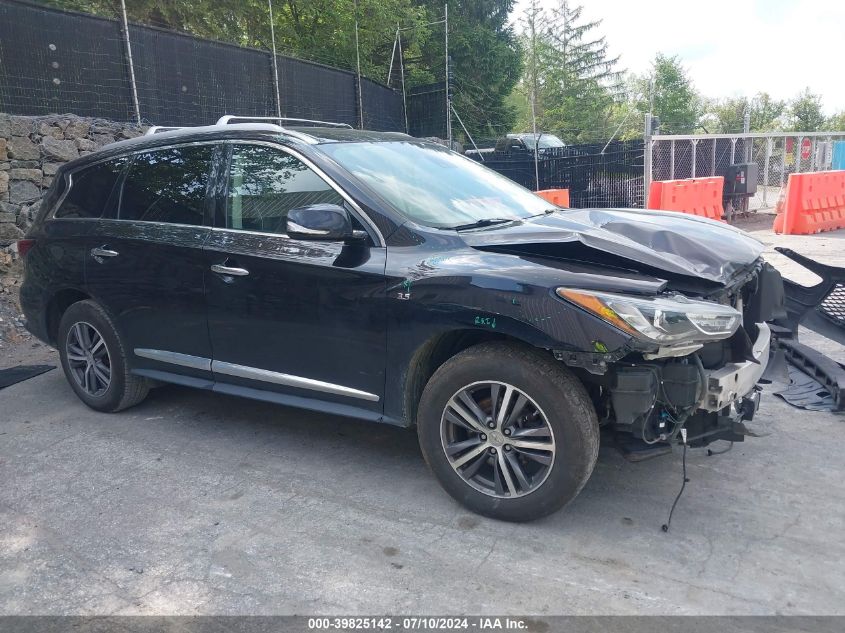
[198, 503]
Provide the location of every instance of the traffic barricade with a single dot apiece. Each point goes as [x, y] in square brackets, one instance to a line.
[694, 196]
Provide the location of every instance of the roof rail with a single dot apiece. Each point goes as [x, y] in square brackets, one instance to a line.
[161, 128]
[225, 120]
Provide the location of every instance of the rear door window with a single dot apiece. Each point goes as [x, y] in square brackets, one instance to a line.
[90, 190]
[167, 185]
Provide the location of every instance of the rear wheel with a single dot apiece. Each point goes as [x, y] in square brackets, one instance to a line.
[508, 431]
[94, 360]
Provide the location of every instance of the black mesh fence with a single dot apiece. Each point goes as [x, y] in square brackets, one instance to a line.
[596, 175]
[427, 110]
[54, 61]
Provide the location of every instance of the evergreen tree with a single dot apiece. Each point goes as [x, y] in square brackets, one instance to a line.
[576, 81]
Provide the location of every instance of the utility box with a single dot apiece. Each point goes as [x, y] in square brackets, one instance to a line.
[741, 179]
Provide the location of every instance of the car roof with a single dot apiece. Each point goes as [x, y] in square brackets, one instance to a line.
[307, 134]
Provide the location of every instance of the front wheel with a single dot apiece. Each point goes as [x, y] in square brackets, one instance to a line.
[508, 431]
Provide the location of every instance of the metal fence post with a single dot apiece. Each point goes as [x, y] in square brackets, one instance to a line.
[672, 159]
[129, 59]
[647, 148]
[800, 140]
[694, 152]
[713, 158]
[275, 62]
[769, 143]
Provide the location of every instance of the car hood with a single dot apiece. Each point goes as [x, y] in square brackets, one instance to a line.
[662, 241]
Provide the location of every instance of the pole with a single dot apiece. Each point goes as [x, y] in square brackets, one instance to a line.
[646, 159]
[358, 62]
[746, 128]
[448, 98]
[135, 101]
[457, 116]
[392, 57]
[402, 74]
[275, 62]
[536, 143]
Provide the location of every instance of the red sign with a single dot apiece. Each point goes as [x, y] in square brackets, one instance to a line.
[805, 149]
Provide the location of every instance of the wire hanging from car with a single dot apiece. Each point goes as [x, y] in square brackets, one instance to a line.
[665, 526]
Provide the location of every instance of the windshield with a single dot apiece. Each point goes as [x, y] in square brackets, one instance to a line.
[433, 186]
[546, 141]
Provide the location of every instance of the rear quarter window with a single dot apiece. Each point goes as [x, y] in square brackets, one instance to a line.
[90, 190]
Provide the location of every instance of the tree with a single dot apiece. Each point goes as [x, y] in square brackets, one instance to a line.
[727, 114]
[766, 113]
[486, 61]
[836, 123]
[675, 100]
[569, 72]
[805, 112]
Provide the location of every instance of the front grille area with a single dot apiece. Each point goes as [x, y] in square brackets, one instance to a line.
[833, 306]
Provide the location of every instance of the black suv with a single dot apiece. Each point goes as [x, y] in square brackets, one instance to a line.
[377, 276]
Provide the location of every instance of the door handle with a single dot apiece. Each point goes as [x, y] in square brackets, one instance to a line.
[102, 251]
[228, 270]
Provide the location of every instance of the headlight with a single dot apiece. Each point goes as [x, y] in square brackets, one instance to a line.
[662, 320]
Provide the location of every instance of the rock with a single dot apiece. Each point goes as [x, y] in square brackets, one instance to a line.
[4, 181]
[21, 148]
[25, 164]
[5, 125]
[9, 233]
[23, 192]
[8, 217]
[3, 154]
[85, 144]
[33, 175]
[20, 126]
[59, 150]
[5, 207]
[130, 132]
[46, 182]
[47, 129]
[77, 128]
[50, 169]
[102, 139]
[5, 166]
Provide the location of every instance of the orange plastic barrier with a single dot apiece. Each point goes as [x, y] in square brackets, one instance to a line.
[814, 202]
[694, 196]
[559, 197]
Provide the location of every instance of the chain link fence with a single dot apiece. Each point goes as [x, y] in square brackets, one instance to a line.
[776, 154]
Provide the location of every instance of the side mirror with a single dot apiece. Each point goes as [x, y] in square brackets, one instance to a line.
[324, 222]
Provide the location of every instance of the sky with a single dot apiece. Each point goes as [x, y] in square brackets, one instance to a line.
[731, 47]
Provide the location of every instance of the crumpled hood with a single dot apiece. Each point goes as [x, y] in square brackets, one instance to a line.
[674, 242]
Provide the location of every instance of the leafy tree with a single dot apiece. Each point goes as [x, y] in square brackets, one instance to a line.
[805, 112]
[675, 100]
[766, 113]
[836, 123]
[728, 115]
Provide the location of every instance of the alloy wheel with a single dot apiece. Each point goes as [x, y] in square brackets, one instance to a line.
[88, 358]
[497, 439]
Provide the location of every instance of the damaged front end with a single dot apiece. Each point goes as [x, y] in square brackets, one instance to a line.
[693, 366]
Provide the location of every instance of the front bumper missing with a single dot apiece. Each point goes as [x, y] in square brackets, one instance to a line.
[733, 381]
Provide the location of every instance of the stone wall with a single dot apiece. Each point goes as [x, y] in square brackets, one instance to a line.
[31, 150]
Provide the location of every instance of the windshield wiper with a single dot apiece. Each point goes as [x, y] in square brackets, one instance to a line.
[484, 222]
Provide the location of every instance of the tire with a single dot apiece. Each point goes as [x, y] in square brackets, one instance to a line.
[556, 412]
[85, 323]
